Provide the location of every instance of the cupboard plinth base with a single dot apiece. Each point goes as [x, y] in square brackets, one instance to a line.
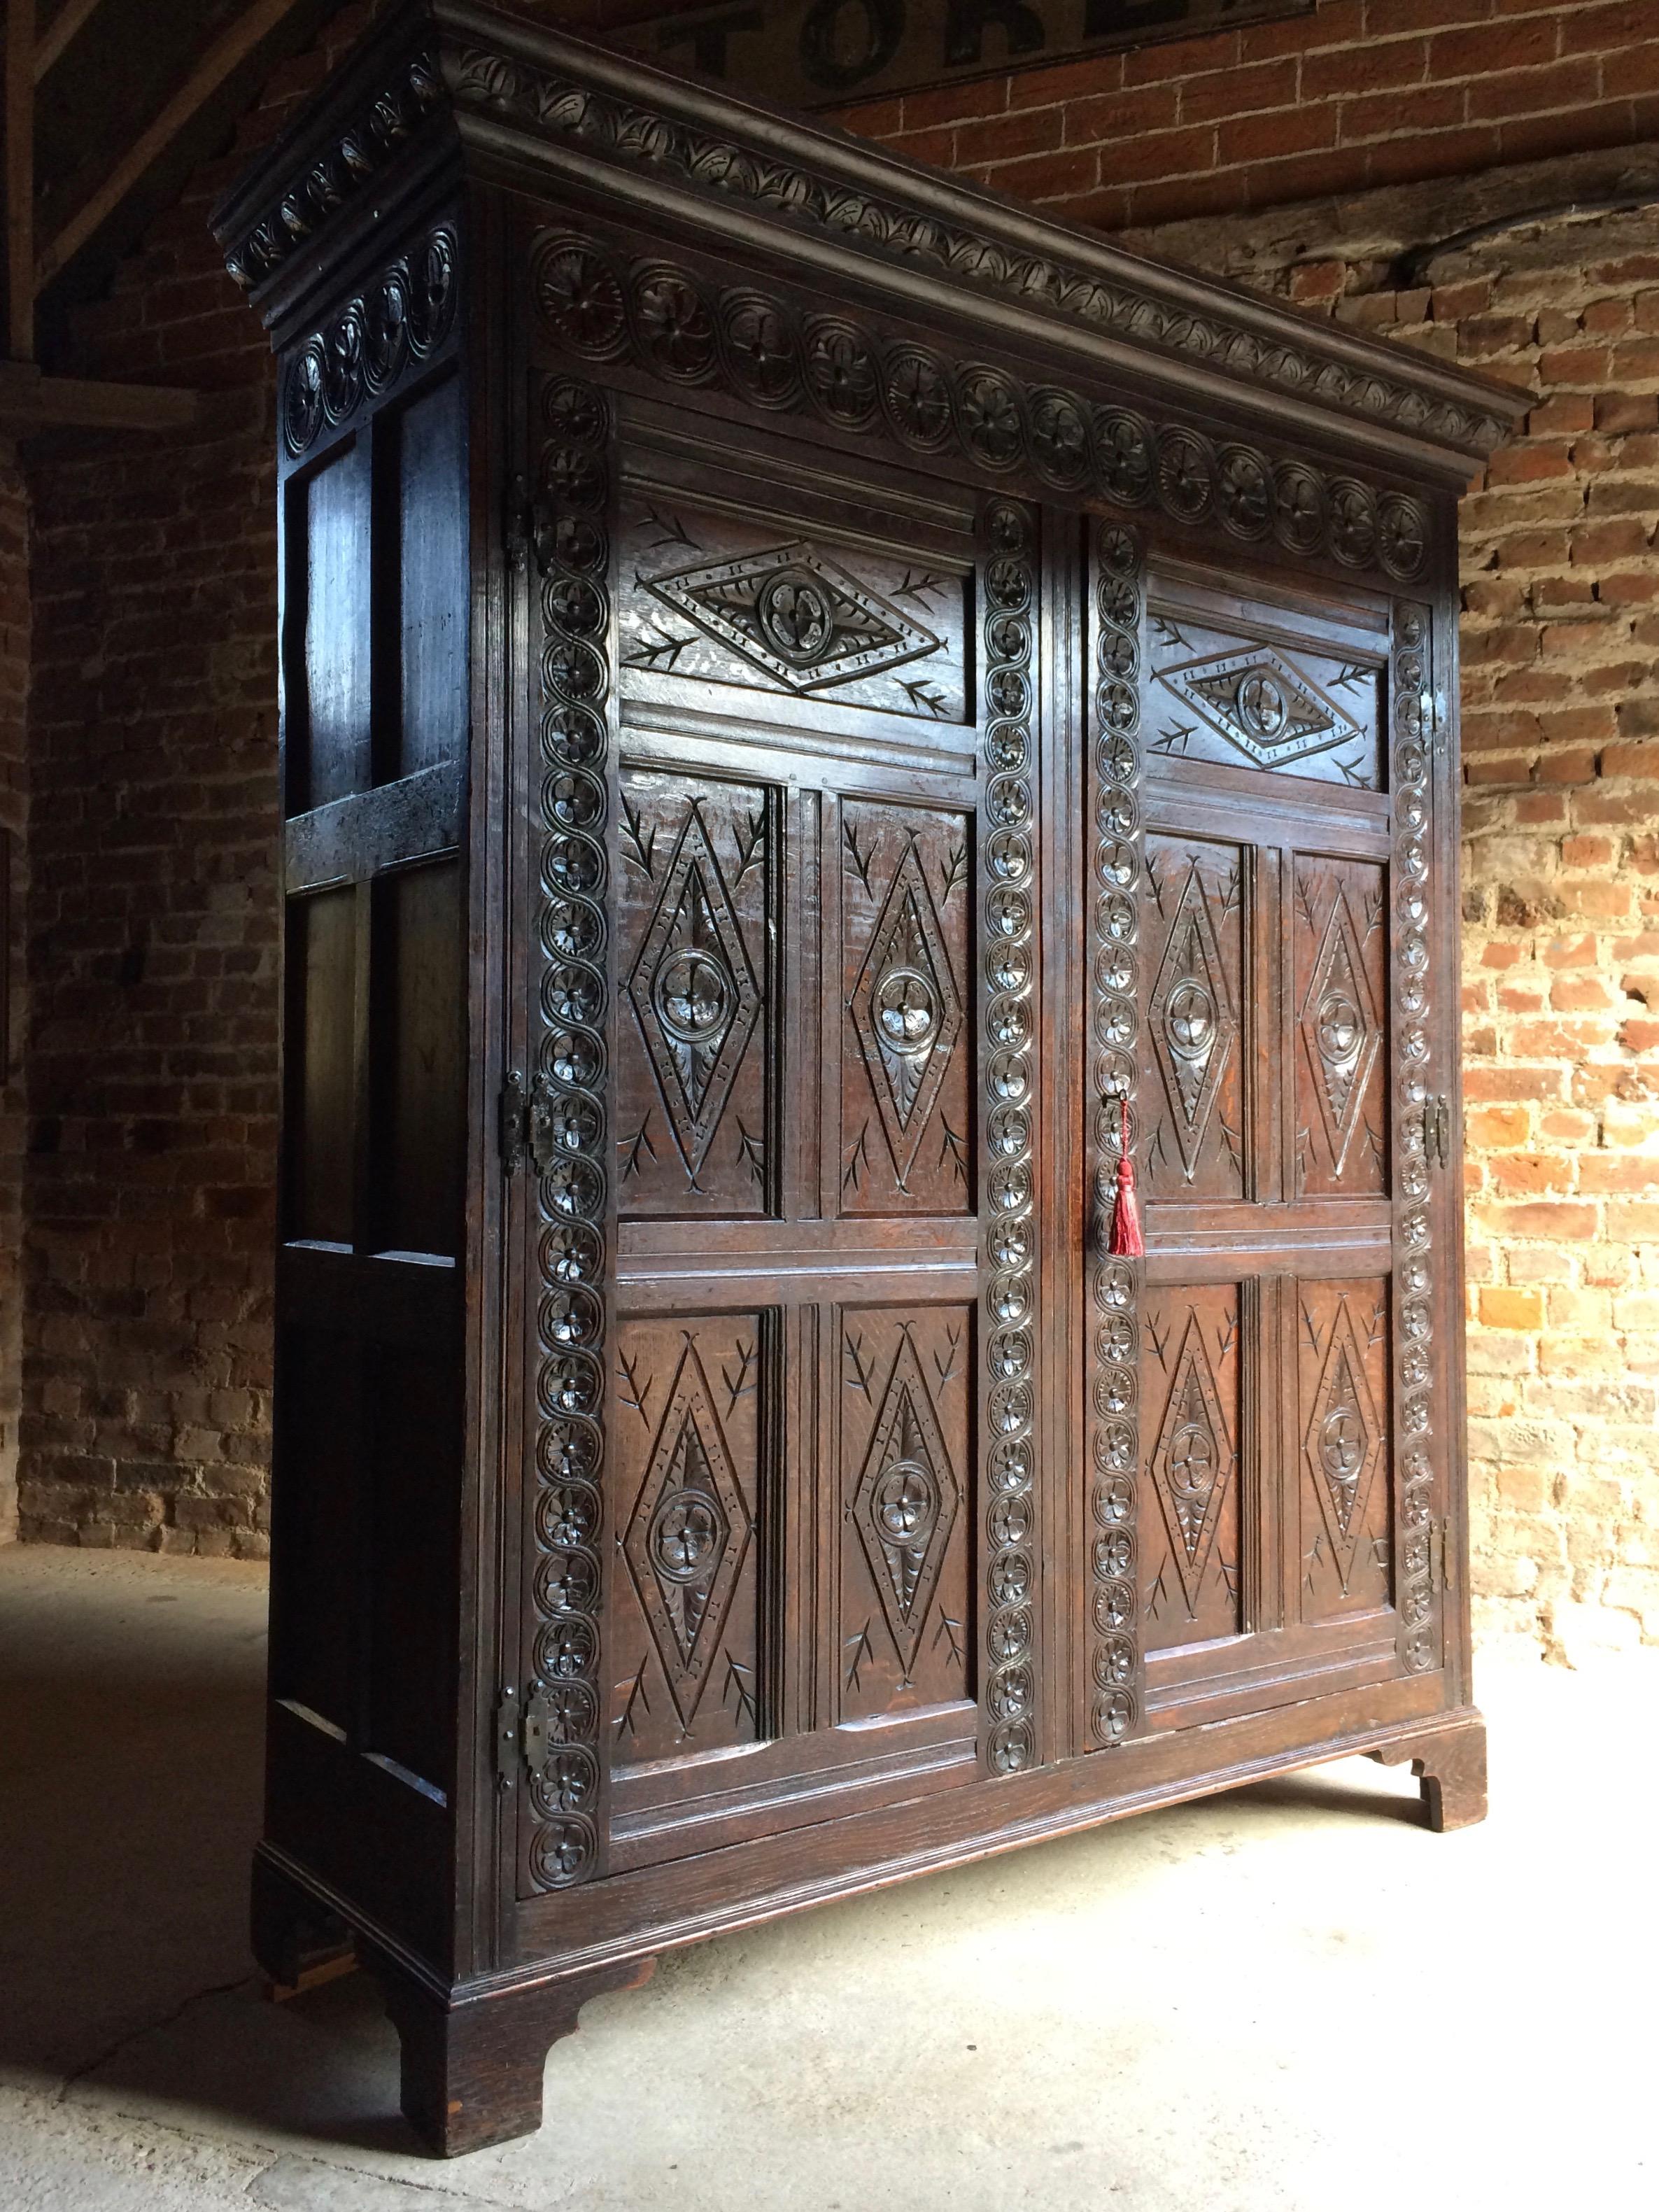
[1450, 1765]
[471, 2069]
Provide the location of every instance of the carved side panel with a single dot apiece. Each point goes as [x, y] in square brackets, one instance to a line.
[1200, 1020]
[906, 1508]
[696, 901]
[1261, 703]
[1192, 1562]
[1339, 925]
[1344, 1446]
[569, 965]
[1417, 1079]
[1117, 577]
[685, 1486]
[1008, 897]
[712, 598]
[906, 1123]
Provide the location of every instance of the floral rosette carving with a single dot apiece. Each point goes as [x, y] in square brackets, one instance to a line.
[1117, 577]
[399, 321]
[1007, 908]
[686, 332]
[572, 1194]
[1413, 716]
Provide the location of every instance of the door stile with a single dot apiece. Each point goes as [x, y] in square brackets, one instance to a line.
[1421, 1258]
[1063, 1198]
[1111, 1687]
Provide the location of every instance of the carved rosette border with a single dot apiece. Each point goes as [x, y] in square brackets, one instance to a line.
[392, 326]
[1414, 717]
[573, 1196]
[668, 320]
[619, 129]
[1117, 577]
[1008, 892]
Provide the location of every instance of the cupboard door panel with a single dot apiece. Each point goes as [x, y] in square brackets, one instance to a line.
[906, 1135]
[1339, 995]
[1201, 1023]
[1345, 1491]
[907, 1496]
[1192, 1556]
[691, 1519]
[698, 1055]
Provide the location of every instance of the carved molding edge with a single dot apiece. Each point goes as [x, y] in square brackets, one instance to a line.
[384, 123]
[666, 319]
[573, 1197]
[394, 326]
[1413, 721]
[1007, 911]
[1117, 582]
[619, 129]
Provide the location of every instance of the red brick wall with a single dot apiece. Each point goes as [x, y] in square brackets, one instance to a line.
[1364, 93]
[152, 1056]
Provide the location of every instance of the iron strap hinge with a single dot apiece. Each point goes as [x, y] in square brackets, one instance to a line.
[524, 1733]
[527, 1122]
[1436, 1131]
[526, 527]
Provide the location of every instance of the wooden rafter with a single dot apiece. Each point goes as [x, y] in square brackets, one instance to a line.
[20, 179]
[64, 24]
[255, 23]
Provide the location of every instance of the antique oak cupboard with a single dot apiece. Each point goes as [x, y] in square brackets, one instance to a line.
[806, 688]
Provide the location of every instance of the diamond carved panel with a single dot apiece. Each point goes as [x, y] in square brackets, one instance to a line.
[1194, 1024]
[1341, 1031]
[907, 1010]
[1193, 1460]
[1262, 704]
[1344, 1440]
[907, 1502]
[694, 992]
[687, 1536]
[800, 617]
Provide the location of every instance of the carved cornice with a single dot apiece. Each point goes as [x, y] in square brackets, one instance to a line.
[497, 72]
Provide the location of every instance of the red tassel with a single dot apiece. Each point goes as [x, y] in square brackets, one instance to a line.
[1126, 1239]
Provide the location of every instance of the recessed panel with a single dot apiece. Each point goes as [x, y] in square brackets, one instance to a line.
[327, 622]
[1342, 1446]
[321, 1067]
[697, 1046]
[1266, 699]
[1200, 1020]
[1340, 932]
[689, 1518]
[432, 580]
[907, 1508]
[907, 1137]
[760, 605]
[1192, 1565]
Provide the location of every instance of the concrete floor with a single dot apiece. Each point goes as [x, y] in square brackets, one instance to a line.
[1291, 1997]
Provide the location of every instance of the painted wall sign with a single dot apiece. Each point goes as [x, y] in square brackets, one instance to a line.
[827, 53]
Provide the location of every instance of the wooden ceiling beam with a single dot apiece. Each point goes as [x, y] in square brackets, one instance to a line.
[255, 23]
[20, 180]
[50, 42]
[30, 401]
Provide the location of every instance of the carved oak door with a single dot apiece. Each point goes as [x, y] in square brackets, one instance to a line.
[779, 1545]
[1285, 1122]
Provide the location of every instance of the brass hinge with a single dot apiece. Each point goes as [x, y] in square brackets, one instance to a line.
[526, 1122]
[1437, 1130]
